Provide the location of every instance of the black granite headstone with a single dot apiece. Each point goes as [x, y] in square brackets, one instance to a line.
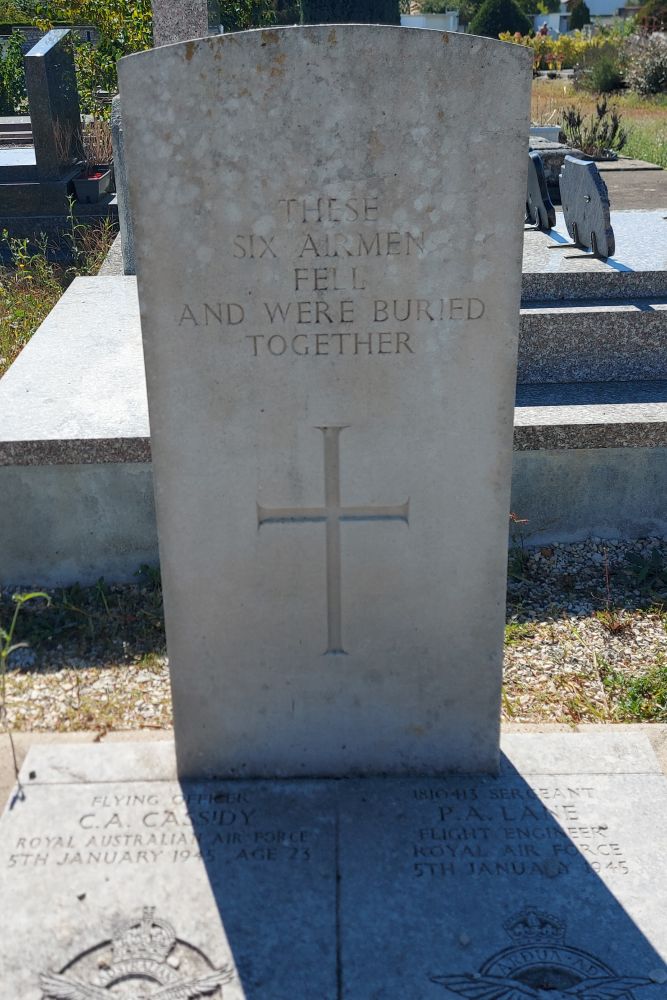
[585, 201]
[540, 211]
[54, 104]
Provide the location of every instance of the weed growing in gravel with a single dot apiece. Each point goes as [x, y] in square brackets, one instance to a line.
[7, 647]
[614, 620]
[518, 631]
[640, 698]
[103, 622]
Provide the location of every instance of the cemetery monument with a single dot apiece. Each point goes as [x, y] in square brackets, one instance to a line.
[330, 315]
[344, 411]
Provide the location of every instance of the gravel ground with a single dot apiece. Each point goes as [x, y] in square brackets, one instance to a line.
[585, 641]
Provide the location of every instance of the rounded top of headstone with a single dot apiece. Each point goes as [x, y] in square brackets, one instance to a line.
[400, 39]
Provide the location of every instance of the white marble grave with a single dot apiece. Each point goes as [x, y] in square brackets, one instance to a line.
[331, 418]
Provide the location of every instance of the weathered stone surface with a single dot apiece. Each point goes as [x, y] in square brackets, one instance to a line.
[77, 391]
[586, 206]
[536, 877]
[54, 104]
[179, 20]
[236, 873]
[540, 211]
[547, 877]
[331, 423]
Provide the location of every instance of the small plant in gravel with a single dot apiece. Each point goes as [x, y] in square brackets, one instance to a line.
[614, 620]
[518, 631]
[7, 647]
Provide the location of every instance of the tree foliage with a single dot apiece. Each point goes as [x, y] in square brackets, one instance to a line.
[579, 15]
[653, 15]
[496, 16]
[12, 76]
[357, 11]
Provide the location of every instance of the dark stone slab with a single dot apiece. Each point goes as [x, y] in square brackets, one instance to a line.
[585, 203]
[122, 188]
[17, 165]
[553, 155]
[54, 104]
[540, 211]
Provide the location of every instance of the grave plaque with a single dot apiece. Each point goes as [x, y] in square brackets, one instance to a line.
[330, 320]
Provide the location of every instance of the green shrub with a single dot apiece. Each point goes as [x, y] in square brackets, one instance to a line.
[437, 6]
[579, 16]
[287, 11]
[597, 135]
[495, 16]
[647, 64]
[606, 75]
[239, 15]
[355, 11]
[600, 70]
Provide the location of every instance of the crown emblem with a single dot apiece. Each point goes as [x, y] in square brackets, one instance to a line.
[147, 939]
[532, 927]
[145, 950]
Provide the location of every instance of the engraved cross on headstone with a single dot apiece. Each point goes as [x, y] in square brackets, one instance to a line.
[332, 514]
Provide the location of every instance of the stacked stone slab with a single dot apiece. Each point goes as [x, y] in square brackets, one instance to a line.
[590, 424]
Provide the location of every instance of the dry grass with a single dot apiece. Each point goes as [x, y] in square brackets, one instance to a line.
[644, 118]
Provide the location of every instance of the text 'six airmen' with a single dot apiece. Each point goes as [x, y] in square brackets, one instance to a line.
[326, 301]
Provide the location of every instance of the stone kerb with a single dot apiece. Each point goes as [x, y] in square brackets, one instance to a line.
[331, 423]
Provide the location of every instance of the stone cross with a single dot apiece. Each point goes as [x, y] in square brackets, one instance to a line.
[178, 20]
[332, 297]
[332, 514]
[54, 104]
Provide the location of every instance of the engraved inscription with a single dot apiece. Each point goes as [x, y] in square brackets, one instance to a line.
[332, 248]
[116, 831]
[500, 830]
[332, 514]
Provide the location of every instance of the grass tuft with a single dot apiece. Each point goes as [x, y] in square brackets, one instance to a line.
[639, 698]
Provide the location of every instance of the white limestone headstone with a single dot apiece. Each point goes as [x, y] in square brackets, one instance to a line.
[329, 270]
